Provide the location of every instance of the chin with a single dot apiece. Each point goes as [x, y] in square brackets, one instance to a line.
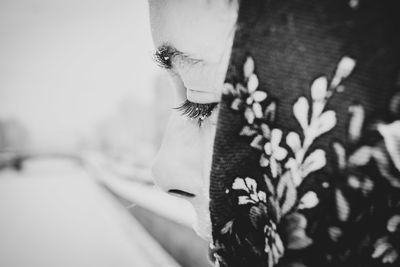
[203, 229]
[202, 224]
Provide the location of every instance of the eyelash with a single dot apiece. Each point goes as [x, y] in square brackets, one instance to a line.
[196, 111]
[163, 58]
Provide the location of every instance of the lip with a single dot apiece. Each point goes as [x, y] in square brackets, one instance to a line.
[201, 97]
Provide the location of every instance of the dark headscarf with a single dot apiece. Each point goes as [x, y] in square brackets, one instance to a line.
[306, 163]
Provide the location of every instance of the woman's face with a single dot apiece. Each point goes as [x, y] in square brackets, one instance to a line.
[193, 39]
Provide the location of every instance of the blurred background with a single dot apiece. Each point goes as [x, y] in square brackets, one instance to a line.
[82, 113]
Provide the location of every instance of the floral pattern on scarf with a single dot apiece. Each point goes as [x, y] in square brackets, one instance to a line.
[366, 182]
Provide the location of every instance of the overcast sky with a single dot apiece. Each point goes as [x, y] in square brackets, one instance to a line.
[64, 65]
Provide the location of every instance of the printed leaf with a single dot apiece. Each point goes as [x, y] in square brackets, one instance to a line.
[354, 182]
[297, 237]
[335, 233]
[252, 83]
[262, 196]
[266, 131]
[280, 153]
[395, 104]
[357, 116]
[343, 70]
[367, 186]
[319, 89]
[293, 141]
[340, 155]
[300, 111]
[292, 165]
[236, 103]
[393, 224]
[391, 135]
[249, 100]
[268, 148]
[385, 251]
[324, 123]
[342, 206]
[270, 112]
[248, 67]
[317, 108]
[243, 200]
[239, 184]
[315, 161]
[241, 89]
[247, 131]
[259, 96]
[383, 164]
[228, 89]
[309, 200]
[285, 185]
[381, 245]
[251, 184]
[264, 162]
[274, 167]
[361, 156]
[276, 136]
[270, 187]
[257, 142]
[345, 67]
[249, 115]
[257, 109]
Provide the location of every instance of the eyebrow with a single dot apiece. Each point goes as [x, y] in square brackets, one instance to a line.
[167, 50]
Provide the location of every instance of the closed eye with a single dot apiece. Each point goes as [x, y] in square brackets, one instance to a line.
[196, 110]
[166, 56]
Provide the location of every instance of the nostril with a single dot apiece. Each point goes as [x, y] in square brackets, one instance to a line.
[181, 193]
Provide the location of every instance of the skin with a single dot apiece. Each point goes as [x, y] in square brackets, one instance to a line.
[203, 31]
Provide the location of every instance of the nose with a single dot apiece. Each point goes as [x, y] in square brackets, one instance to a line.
[178, 168]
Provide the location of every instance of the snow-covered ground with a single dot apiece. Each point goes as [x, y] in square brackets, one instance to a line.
[54, 214]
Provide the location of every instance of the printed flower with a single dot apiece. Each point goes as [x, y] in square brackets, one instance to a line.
[252, 196]
[253, 107]
[248, 97]
[263, 214]
[273, 153]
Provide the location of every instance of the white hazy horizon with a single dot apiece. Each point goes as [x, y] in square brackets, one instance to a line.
[65, 66]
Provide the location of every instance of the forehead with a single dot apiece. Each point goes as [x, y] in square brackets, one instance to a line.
[198, 28]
